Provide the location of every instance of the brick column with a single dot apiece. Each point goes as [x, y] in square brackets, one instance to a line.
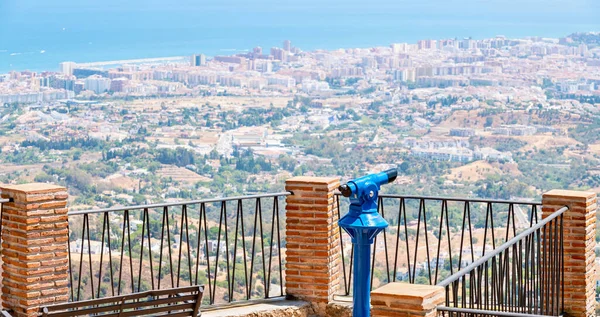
[579, 231]
[313, 260]
[35, 259]
[406, 300]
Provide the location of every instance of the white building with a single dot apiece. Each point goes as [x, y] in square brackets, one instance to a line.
[95, 247]
[97, 84]
[67, 68]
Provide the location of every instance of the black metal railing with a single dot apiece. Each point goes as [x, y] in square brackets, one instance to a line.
[431, 238]
[524, 276]
[231, 245]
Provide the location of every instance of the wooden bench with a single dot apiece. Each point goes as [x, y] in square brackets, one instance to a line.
[175, 302]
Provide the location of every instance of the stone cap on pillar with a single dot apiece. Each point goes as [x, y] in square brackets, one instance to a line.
[557, 193]
[33, 188]
[312, 180]
[34, 192]
[407, 298]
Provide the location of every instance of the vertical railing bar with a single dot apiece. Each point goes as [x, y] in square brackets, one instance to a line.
[70, 268]
[169, 247]
[211, 285]
[485, 230]
[235, 239]
[271, 242]
[437, 261]
[199, 247]
[373, 255]
[545, 266]
[187, 241]
[162, 239]
[403, 208]
[214, 290]
[492, 225]
[471, 231]
[279, 247]
[90, 258]
[253, 244]
[385, 246]
[142, 247]
[244, 252]
[449, 243]
[183, 212]
[81, 257]
[122, 254]
[395, 275]
[101, 256]
[556, 287]
[229, 280]
[150, 248]
[346, 286]
[462, 236]
[262, 247]
[426, 239]
[562, 269]
[268, 276]
[129, 249]
[510, 208]
[519, 268]
[416, 240]
[110, 263]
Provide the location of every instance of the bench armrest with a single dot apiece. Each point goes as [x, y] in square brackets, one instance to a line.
[6, 314]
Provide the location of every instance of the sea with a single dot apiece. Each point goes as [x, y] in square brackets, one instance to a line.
[39, 34]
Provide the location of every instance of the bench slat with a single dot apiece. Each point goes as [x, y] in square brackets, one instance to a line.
[118, 298]
[184, 301]
[187, 307]
[126, 305]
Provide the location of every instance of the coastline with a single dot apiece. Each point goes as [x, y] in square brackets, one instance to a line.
[133, 61]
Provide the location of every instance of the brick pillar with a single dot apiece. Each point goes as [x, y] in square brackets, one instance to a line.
[579, 231]
[35, 259]
[313, 260]
[406, 300]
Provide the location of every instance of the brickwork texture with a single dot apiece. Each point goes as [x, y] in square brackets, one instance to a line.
[34, 247]
[313, 262]
[579, 232]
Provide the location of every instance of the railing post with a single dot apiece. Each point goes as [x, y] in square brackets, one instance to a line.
[403, 299]
[579, 232]
[35, 259]
[313, 262]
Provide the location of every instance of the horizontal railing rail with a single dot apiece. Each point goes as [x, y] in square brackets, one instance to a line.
[431, 237]
[458, 199]
[459, 312]
[525, 275]
[178, 203]
[232, 245]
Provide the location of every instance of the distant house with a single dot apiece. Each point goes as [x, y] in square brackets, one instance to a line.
[462, 132]
[95, 247]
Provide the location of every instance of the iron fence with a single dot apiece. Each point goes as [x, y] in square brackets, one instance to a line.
[431, 238]
[524, 276]
[124, 250]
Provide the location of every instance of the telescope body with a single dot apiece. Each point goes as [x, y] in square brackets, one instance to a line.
[363, 223]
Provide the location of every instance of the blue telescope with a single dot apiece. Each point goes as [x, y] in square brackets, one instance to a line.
[363, 223]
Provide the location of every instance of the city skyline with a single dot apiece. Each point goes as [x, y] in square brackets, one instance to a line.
[37, 35]
[440, 42]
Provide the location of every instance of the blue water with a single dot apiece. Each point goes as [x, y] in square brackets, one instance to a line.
[94, 30]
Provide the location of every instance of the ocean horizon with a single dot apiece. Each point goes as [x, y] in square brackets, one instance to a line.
[37, 35]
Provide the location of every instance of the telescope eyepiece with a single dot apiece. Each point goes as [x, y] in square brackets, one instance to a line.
[392, 174]
[345, 190]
